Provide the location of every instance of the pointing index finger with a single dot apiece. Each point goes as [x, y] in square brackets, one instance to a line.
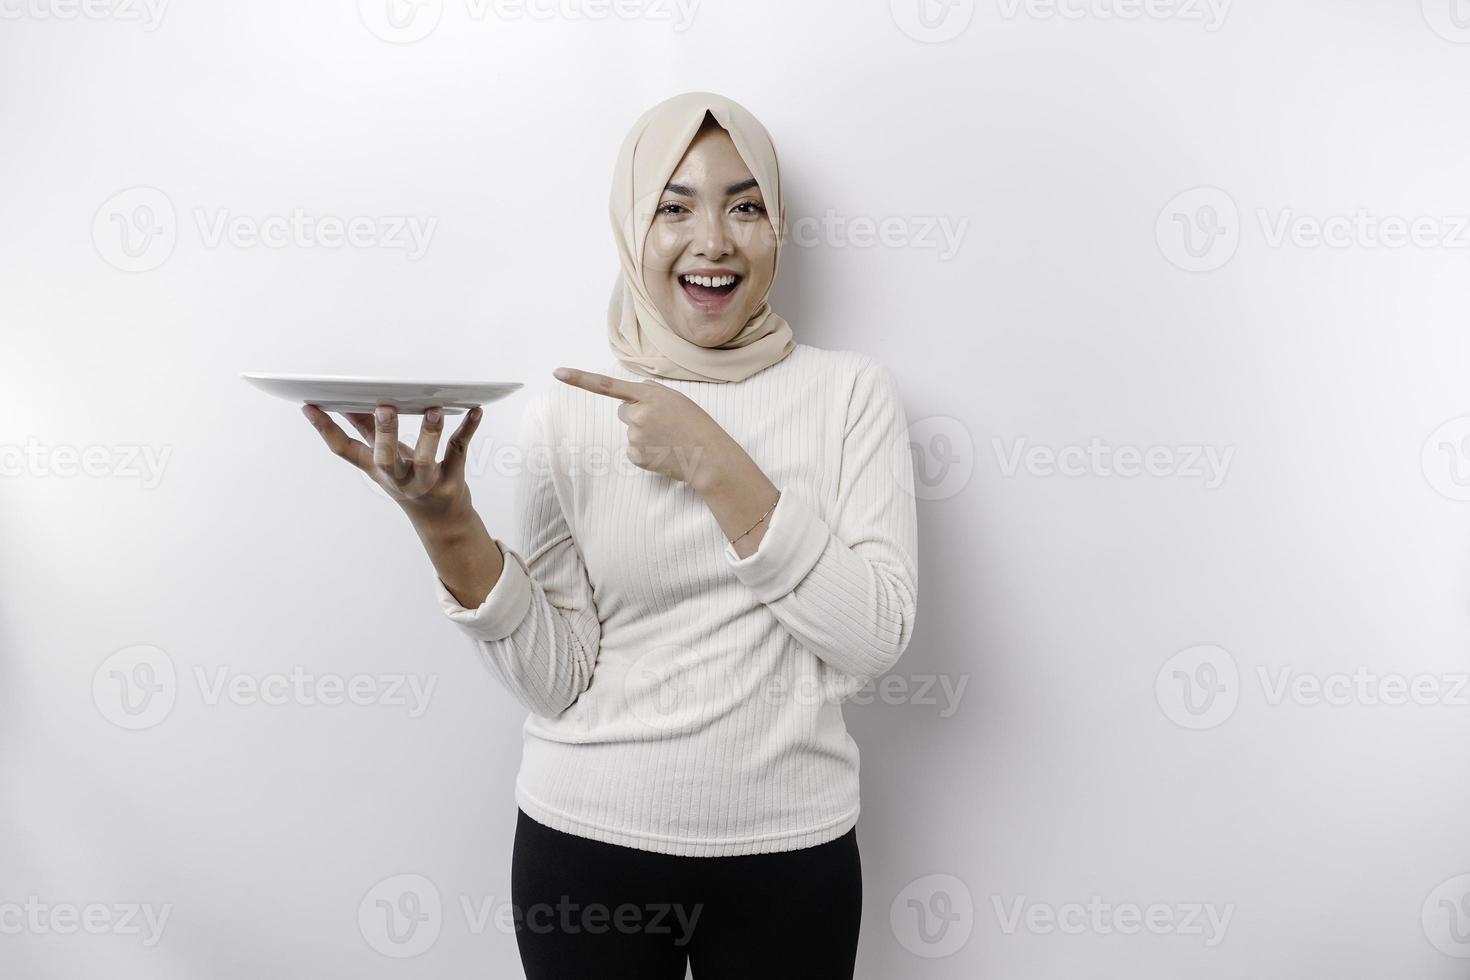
[598, 384]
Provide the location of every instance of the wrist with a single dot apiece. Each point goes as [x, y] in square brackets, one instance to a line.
[447, 528]
[759, 521]
[721, 471]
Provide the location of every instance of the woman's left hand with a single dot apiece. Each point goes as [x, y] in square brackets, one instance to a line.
[667, 432]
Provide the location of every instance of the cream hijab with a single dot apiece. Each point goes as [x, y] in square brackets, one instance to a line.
[639, 337]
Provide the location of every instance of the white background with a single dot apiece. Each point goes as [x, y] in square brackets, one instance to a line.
[1075, 766]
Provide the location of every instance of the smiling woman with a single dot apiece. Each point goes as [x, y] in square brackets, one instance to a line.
[697, 201]
[712, 244]
[684, 634]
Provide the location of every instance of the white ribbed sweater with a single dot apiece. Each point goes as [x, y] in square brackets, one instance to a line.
[685, 700]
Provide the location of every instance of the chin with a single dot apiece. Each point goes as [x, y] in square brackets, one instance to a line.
[710, 333]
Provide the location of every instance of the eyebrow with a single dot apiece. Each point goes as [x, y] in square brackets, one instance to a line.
[730, 191]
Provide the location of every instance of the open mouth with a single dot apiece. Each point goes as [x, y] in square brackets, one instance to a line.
[711, 292]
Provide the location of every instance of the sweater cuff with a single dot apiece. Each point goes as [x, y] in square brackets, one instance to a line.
[794, 540]
[503, 609]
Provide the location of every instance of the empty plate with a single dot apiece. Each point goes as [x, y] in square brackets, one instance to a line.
[334, 393]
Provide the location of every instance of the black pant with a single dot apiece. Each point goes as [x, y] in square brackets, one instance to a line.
[587, 909]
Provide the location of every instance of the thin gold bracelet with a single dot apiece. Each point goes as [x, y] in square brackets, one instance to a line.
[759, 519]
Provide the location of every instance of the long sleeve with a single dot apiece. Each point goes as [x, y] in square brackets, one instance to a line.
[537, 630]
[638, 646]
[847, 592]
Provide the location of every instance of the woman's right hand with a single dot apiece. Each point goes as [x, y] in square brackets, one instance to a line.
[432, 493]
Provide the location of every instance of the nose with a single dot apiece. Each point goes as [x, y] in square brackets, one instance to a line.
[712, 240]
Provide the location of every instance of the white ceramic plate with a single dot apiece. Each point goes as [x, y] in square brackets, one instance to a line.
[333, 393]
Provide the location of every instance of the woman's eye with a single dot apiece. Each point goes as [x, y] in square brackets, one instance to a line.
[750, 207]
[671, 207]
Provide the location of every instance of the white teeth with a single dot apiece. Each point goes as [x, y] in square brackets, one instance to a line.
[710, 281]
